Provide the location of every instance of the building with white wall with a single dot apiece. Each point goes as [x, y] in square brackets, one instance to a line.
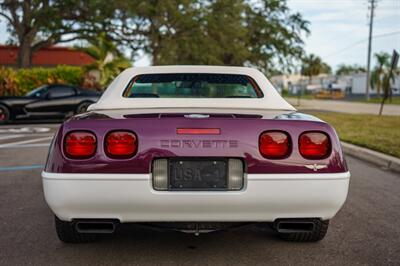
[354, 84]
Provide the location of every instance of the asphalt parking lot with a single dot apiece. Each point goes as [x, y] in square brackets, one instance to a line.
[365, 232]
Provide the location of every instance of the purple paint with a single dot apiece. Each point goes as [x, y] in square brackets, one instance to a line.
[157, 138]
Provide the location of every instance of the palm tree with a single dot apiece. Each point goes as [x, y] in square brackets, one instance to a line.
[379, 71]
[109, 61]
[387, 75]
[349, 69]
[313, 65]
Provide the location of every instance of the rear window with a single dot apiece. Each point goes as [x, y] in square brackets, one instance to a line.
[192, 86]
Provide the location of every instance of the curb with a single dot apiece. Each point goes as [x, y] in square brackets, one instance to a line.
[374, 157]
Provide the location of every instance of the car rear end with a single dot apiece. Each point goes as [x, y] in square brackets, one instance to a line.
[195, 169]
[181, 168]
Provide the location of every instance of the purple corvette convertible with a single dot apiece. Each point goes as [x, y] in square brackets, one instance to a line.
[194, 149]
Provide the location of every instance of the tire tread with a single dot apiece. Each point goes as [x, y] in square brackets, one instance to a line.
[67, 233]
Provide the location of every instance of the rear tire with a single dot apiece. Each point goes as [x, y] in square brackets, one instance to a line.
[83, 107]
[4, 114]
[317, 234]
[67, 233]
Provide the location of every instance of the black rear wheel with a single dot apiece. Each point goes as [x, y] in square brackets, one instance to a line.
[82, 107]
[4, 114]
[67, 233]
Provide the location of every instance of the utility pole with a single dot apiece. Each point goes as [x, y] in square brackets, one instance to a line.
[371, 22]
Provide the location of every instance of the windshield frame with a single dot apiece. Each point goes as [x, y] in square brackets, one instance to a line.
[33, 92]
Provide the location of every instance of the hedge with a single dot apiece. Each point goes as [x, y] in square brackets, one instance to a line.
[20, 81]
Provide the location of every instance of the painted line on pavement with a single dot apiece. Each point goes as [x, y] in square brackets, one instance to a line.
[25, 130]
[24, 142]
[27, 146]
[19, 168]
[11, 137]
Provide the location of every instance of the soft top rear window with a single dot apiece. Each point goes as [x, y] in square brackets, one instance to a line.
[192, 85]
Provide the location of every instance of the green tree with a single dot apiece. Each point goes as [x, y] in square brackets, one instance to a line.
[326, 69]
[224, 34]
[262, 33]
[388, 76]
[109, 60]
[168, 30]
[378, 74]
[313, 65]
[35, 24]
[349, 69]
[274, 35]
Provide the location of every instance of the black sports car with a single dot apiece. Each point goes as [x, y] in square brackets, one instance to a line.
[54, 101]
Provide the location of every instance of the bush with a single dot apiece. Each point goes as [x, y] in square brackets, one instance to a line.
[8, 82]
[20, 81]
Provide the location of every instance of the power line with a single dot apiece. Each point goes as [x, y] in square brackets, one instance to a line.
[386, 34]
[386, 18]
[345, 48]
[360, 42]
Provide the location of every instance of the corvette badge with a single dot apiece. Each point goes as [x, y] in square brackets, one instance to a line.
[316, 167]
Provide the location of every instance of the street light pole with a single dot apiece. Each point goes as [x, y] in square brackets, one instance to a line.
[371, 22]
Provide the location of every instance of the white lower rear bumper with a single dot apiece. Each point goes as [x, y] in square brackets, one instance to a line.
[131, 198]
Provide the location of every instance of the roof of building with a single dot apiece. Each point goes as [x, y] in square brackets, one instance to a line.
[47, 57]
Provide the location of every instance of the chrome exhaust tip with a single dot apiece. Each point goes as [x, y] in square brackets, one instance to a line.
[294, 225]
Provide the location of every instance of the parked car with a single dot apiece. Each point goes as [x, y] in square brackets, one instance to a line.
[47, 102]
[194, 149]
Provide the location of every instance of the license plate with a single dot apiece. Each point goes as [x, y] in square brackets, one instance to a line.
[199, 174]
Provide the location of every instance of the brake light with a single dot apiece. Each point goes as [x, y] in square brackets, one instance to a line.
[198, 131]
[80, 145]
[274, 144]
[314, 145]
[121, 144]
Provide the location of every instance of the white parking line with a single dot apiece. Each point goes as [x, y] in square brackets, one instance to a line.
[27, 146]
[11, 137]
[25, 130]
[24, 142]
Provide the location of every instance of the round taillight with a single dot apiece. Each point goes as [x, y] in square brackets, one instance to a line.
[314, 145]
[274, 144]
[80, 145]
[120, 144]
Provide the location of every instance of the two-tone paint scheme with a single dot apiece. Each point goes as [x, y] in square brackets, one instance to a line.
[123, 190]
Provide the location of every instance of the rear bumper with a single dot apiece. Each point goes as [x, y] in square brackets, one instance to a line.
[131, 198]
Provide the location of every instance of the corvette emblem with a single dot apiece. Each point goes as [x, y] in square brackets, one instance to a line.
[195, 144]
[315, 167]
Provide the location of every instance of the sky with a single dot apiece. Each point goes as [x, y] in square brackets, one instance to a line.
[339, 29]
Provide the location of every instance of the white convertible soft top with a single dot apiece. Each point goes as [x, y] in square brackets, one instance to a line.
[112, 98]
